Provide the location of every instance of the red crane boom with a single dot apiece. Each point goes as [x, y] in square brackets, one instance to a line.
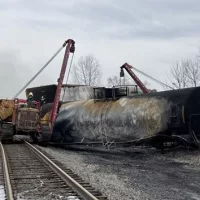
[134, 77]
[70, 48]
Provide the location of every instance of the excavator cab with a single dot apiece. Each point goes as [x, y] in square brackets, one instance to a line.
[24, 121]
[27, 120]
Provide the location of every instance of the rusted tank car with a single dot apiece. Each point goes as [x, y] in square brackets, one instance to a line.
[159, 115]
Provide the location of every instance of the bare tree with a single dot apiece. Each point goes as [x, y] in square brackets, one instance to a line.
[115, 80]
[177, 77]
[193, 73]
[87, 71]
[184, 74]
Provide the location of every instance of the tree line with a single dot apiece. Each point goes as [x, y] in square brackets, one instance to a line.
[87, 71]
[183, 74]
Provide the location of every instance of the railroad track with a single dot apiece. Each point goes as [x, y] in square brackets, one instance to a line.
[2, 175]
[29, 174]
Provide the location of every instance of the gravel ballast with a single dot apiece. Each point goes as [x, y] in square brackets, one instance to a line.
[136, 173]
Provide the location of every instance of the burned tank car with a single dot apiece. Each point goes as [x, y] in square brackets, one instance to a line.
[152, 115]
[120, 120]
[185, 113]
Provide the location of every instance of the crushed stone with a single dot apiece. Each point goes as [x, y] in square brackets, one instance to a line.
[135, 173]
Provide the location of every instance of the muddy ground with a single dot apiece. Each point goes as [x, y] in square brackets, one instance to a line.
[132, 173]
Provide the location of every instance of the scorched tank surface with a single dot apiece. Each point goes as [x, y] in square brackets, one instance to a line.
[127, 118]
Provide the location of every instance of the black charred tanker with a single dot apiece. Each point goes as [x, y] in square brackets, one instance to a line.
[115, 117]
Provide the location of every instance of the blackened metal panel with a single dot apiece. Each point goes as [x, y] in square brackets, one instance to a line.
[188, 99]
[47, 91]
[120, 120]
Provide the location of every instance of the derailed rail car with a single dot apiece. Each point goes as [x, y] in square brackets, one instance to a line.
[153, 118]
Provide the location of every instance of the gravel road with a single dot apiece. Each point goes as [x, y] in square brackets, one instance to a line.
[136, 173]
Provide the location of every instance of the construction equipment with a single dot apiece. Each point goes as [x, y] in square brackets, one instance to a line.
[134, 77]
[137, 80]
[17, 118]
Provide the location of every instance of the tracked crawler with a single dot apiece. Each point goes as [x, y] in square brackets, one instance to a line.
[19, 119]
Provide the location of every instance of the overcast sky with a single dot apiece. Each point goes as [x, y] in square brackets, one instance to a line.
[150, 34]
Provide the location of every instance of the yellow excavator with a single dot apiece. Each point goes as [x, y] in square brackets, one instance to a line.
[18, 118]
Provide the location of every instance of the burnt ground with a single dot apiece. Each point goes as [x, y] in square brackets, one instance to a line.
[136, 173]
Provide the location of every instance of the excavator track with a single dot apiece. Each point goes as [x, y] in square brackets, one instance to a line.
[6, 133]
[44, 136]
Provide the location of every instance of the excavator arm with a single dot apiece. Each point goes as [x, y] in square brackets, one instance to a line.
[70, 48]
[128, 68]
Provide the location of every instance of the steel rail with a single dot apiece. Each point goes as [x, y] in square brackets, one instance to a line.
[9, 192]
[63, 175]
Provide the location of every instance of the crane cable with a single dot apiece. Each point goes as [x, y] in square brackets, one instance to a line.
[68, 75]
[152, 78]
[32, 79]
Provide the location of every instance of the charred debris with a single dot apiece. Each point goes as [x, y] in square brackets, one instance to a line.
[123, 116]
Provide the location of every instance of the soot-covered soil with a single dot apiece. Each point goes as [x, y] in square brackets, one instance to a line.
[125, 174]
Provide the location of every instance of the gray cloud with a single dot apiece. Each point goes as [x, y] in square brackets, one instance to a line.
[129, 19]
[13, 73]
[115, 31]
